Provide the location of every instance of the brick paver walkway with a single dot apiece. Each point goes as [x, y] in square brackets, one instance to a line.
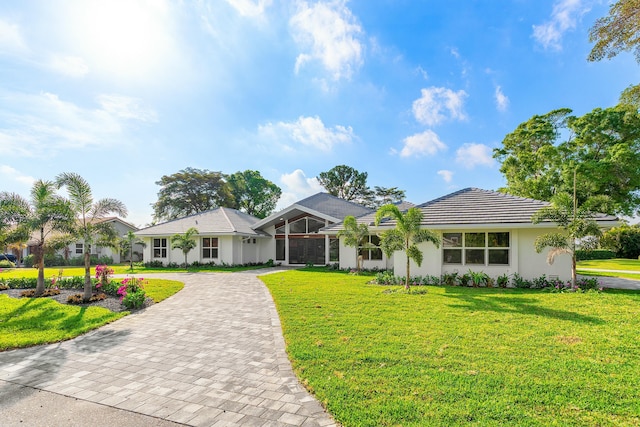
[213, 354]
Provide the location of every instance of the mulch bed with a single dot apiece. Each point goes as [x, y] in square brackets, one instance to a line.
[110, 302]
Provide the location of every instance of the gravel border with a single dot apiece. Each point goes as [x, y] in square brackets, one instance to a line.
[110, 303]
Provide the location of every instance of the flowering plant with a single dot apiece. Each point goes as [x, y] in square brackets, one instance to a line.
[102, 275]
[132, 294]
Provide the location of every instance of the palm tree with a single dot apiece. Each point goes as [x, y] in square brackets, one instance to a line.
[575, 222]
[126, 245]
[46, 212]
[186, 242]
[354, 235]
[90, 226]
[406, 236]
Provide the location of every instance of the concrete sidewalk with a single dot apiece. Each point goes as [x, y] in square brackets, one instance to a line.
[213, 354]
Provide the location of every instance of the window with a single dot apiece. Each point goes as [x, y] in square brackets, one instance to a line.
[373, 252]
[159, 248]
[280, 249]
[484, 248]
[209, 247]
[79, 248]
[305, 225]
[334, 249]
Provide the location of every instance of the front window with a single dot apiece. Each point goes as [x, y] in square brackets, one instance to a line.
[334, 249]
[79, 248]
[372, 250]
[280, 249]
[476, 248]
[159, 248]
[209, 247]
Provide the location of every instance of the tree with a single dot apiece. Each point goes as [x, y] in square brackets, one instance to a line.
[615, 33]
[406, 236]
[46, 213]
[13, 209]
[575, 223]
[540, 156]
[190, 191]
[345, 182]
[253, 194]
[126, 244]
[90, 224]
[185, 242]
[355, 235]
[623, 240]
[381, 196]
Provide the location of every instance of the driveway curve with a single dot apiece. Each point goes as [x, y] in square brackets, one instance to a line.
[213, 354]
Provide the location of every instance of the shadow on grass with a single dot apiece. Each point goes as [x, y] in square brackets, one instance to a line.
[521, 303]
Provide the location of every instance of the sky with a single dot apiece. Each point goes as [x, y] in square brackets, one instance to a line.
[417, 93]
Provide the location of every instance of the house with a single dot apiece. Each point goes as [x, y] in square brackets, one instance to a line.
[291, 236]
[76, 248]
[225, 236]
[481, 230]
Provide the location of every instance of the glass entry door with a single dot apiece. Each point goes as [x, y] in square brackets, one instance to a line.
[303, 251]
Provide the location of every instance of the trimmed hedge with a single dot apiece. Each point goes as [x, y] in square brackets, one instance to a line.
[597, 254]
[76, 282]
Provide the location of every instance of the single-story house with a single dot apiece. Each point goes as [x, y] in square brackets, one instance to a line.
[481, 230]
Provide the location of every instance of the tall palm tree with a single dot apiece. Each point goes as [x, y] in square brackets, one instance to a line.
[90, 226]
[126, 245]
[46, 213]
[406, 236]
[574, 222]
[354, 235]
[186, 242]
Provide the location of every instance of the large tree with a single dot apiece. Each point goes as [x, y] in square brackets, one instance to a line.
[345, 182]
[90, 224]
[618, 32]
[253, 194]
[539, 157]
[46, 214]
[13, 209]
[191, 191]
[405, 236]
[381, 196]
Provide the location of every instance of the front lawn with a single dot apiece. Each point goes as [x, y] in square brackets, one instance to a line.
[376, 356]
[161, 289]
[630, 266]
[31, 321]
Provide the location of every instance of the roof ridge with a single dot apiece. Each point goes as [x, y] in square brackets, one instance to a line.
[233, 227]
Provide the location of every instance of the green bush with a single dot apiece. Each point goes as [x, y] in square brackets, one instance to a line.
[5, 263]
[53, 260]
[596, 254]
[29, 260]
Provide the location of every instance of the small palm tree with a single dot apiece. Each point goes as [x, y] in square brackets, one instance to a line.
[126, 245]
[575, 222]
[355, 235]
[46, 213]
[90, 226]
[186, 242]
[406, 236]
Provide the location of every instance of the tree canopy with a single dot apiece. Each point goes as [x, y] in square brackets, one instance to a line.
[540, 156]
[345, 182]
[252, 193]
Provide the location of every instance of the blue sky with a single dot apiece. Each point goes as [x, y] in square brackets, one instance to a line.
[416, 93]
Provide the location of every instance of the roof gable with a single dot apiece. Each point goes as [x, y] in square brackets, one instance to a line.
[216, 221]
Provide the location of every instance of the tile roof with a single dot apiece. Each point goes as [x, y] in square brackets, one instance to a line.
[218, 221]
[333, 206]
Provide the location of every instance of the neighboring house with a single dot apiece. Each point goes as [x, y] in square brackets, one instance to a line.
[76, 249]
[481, 231]
[225, 236]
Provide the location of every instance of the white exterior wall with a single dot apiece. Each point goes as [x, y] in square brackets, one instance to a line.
[348, 258]
[431, 262]
[532, 264]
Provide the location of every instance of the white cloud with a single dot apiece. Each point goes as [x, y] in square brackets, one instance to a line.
[446, 175]
[11, 174]
[309, 131]
[421, 71]
[43, 124]
[502, 101]
[473, 154]
[71, 66]
[329, 33]
[421, 144]
[11, 40]
[250, 8]
[430, 109]
[563, 18]
[297, 186]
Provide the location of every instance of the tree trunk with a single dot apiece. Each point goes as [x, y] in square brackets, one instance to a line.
[87, 277]
[40, 283]
[573, 270]
[131, 257]
[186, 267]
[407, 279]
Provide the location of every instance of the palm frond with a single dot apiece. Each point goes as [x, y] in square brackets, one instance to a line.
[554, 252]
[79, 191]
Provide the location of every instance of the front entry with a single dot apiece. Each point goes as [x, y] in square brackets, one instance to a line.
[307, 250]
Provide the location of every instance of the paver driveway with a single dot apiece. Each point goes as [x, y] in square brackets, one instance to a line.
[213, 354]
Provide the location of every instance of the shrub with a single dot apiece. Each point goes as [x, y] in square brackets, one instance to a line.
[131, 291]
[588, 283]
[520, 282]
[29, 260]
[52, 260]
[502, 281]
[540, 282]
[270, 263]
[5, 263]
[78, 298]
[596, 254]
[450, 279]
[465, 279]
[154, 264]
[31, 293]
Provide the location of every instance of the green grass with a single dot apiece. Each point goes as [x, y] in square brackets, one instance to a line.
[118, 269]
[611, 264]
[30, 321]
[461, 356]
[631, 276]
[161, 289]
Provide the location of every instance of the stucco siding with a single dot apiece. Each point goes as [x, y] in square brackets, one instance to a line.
[532, 264]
